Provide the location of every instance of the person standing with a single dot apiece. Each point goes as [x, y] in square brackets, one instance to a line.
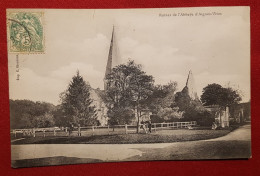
[150, 126]
[143, 126]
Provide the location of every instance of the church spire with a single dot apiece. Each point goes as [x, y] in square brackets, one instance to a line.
[112, 60]
[110, 55]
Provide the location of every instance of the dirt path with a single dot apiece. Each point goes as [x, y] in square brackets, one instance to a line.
[243, 133]
[234, 145]
[17, 139]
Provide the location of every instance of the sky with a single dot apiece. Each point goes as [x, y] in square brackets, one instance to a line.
[215, 47]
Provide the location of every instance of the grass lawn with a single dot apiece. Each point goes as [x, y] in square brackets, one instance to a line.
[197, 150]
[163, 136]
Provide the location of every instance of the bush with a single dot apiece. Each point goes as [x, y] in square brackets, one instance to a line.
[203, 118]
[156, 119]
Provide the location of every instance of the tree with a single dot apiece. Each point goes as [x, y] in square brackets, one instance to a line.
[161, 103]
[59, 116]
[120, 115]
[170, 114]
[128, 87]
[192, 109]
[77, 104]
[29, 114]
[215, 94]
[183, 100]
[43, 121]
[211, 94]
[162, 96]
[141, 86]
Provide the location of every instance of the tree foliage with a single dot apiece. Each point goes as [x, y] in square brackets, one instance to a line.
[120, 115]
[192, 109]
[128, 87]
[215, 94]
[29, 114]
[161, 103]
[45, 120]
[76, 103]
[162, 96]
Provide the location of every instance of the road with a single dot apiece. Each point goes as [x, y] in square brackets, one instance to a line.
[236, 144]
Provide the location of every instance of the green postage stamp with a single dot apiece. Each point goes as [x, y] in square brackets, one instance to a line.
[25, 32]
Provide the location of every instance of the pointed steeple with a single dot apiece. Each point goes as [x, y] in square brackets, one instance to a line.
[190, 85]
[113, 58]
[110, 55]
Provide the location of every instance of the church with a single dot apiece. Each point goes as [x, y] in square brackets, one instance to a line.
[96, 94]
[114, 60]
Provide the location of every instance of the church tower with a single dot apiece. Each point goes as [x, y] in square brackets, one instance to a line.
[113, 57]
[191, 87]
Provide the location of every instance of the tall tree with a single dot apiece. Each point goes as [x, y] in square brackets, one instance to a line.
[77, 104]
[215, 94]
[128, 87]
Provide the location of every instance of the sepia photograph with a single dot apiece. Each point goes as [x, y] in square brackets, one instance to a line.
[117, 85]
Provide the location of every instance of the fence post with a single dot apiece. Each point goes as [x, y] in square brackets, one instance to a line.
[66, 131]
[108, 129]
[92, 130]
[79, 132]
[54, 132]
[43, 133]
[14, 131]
[155, 127]
[33, 132]
[161, 125]
[125, 128]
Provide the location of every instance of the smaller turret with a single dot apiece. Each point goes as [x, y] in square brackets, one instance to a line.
[191, 87]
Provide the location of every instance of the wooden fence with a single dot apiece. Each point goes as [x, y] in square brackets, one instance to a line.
[96, 130]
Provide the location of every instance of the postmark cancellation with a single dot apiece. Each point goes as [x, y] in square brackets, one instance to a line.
[25, 32]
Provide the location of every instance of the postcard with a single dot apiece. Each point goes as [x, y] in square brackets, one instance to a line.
[116, 85]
